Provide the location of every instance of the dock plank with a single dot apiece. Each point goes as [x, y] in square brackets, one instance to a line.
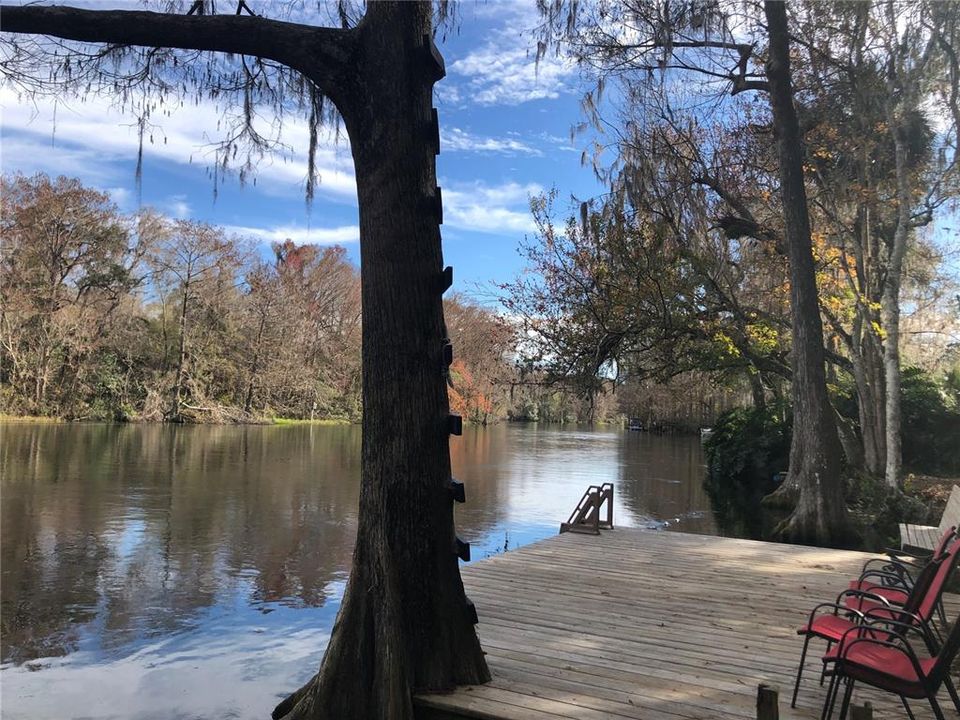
[638, 624]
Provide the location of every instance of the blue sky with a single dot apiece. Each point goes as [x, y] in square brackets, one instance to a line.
[505, 135]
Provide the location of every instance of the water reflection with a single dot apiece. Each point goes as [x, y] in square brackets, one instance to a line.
[196, 571]
[661, 480]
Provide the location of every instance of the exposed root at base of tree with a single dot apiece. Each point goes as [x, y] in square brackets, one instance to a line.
[363, 673]
[369, 670]
[784, 497]
[807, 529]
[814, 521]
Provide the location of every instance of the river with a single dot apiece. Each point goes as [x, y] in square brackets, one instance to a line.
[156, 571]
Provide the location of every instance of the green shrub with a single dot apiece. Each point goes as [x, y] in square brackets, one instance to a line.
[930, 425]
[879, 509]
[747, 449]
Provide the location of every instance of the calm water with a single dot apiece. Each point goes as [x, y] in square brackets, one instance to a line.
[195, 572]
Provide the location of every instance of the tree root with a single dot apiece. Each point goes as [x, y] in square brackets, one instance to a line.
[376, 661]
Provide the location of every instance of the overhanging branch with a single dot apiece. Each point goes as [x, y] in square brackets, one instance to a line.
[325, 55]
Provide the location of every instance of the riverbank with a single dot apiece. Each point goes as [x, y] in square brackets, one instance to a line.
[930, 488]
[45, 420]
[29, 419]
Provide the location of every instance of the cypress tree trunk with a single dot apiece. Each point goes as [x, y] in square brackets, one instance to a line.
[869, 378]
[820, 515]
[866, 351]
[404, 624]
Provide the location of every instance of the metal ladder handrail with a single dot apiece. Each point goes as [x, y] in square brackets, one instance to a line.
[585, 518]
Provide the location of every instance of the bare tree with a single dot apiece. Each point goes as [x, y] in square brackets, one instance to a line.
[67, 260]
[194, 261]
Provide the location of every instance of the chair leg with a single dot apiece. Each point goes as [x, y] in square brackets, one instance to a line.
[796, 686]
[828, 700]
[845, 705]
[906, 706]
[938, 713]
[823, 670]
[953, 692]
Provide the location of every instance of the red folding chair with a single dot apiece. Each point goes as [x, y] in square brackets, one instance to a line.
[894, 578]
[879, 653]
[830, 621]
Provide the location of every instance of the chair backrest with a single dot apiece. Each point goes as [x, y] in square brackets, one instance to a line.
[951, 513]
[936, 573]
[921, 585]
[944, 543]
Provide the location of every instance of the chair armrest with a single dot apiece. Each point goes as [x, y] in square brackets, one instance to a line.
[890, 579]
[837, 608]
[918, 625]
[890, 565]
[864, 595]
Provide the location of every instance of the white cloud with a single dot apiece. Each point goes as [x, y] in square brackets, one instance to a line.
[501, 209]
[35, 153]
[501, 76]
[458, 140]
[505, 71]
[89, 135]
[121, 196]
[299, 234]
[557, 143]
[176, 206]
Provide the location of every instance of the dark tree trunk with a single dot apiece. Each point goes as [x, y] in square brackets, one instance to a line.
[868, 377]
[820, 515]
[176, 394]
[756, 389]
[404, 624]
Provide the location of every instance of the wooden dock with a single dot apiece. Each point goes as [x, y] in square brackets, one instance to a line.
[650, 625]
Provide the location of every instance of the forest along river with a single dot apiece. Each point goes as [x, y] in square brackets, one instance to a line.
[163, 572]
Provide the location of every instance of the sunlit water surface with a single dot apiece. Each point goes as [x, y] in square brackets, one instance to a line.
[195, 572]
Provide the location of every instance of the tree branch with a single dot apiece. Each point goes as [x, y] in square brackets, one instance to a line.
[322, 54]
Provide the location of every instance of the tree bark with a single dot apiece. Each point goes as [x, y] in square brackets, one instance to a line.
[820, 515]
[254, 365]
[866, 351]
[756, 389]
[404, 625]
[890, 306]
[176, 395]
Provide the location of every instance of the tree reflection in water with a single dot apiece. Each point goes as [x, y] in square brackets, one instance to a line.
[195, 570]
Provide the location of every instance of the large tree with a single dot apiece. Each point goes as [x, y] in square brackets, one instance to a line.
[405, 624]
[815, 447]
[651, 47]
[880, 109]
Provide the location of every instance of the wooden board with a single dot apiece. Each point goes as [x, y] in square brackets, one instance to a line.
[649, 625]
[951, 513]
[926, 537]
[914, 538]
